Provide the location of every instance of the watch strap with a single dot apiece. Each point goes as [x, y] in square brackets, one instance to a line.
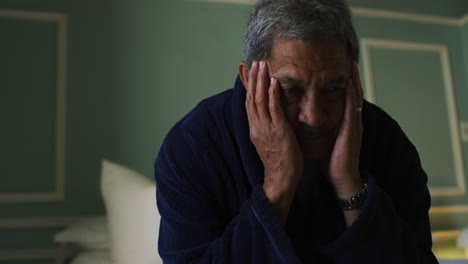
[355, 201]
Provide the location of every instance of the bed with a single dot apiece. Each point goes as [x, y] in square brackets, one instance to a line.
[128, 233]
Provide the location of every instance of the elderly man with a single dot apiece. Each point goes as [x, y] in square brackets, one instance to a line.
[292, 165]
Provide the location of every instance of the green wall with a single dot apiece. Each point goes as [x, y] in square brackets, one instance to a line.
[27, 104]
[169, 56]
[90, 109]
[447, 8]
[90, 122]
[136, 67]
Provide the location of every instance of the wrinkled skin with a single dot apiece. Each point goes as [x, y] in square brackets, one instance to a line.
[301, 106]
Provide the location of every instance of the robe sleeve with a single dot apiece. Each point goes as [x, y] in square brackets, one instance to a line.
[393, 226]
[195, 229]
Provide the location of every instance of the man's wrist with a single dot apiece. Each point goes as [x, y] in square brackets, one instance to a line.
[349, 188]
[277, 193]
[355, 201]
[280, 198]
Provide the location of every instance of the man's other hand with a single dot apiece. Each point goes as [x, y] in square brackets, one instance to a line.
[343, 167]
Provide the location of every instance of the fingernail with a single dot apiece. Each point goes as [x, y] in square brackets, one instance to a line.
[262, 65]
[254, 64]
[272, 80]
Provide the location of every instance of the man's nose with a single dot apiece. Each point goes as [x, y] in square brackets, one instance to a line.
[312, 111]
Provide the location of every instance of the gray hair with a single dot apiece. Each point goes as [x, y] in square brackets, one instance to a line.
[297, 19]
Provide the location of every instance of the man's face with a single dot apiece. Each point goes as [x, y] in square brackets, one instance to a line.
[313, 76]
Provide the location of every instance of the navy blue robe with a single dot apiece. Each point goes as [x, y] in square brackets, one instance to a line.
[213, 209]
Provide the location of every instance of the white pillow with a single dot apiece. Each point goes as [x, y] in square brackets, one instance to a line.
[130, 200]
[88, 233]
[92, 257]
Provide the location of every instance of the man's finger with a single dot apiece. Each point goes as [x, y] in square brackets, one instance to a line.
[274, 103]
[351, 106]
[261, 93]
[360, 97]
[250, 95]
[357, 85]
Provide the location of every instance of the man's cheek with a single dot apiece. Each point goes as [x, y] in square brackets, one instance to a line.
[292, 113]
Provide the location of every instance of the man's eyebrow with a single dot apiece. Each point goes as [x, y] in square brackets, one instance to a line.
[339, 80]
[290, 81]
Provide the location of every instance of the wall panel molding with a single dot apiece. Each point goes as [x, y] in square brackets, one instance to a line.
[445, 235]
[33, 15]
[448, 217]
[61, 83]
[47, 221]
[241, 2]
[451, 209]
[31, 254]
[442, 50]
[59, 254]
[464, 19]
[378, 13]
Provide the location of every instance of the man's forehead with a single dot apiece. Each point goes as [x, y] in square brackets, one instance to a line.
[313, 55]
[298, 80]
[299, 63]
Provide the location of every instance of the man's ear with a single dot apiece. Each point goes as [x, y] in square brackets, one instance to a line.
[244, 73]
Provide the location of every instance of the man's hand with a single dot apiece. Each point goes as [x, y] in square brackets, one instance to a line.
[273, 139]
[343, 168]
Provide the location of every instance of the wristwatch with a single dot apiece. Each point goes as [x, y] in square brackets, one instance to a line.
[355, 201]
